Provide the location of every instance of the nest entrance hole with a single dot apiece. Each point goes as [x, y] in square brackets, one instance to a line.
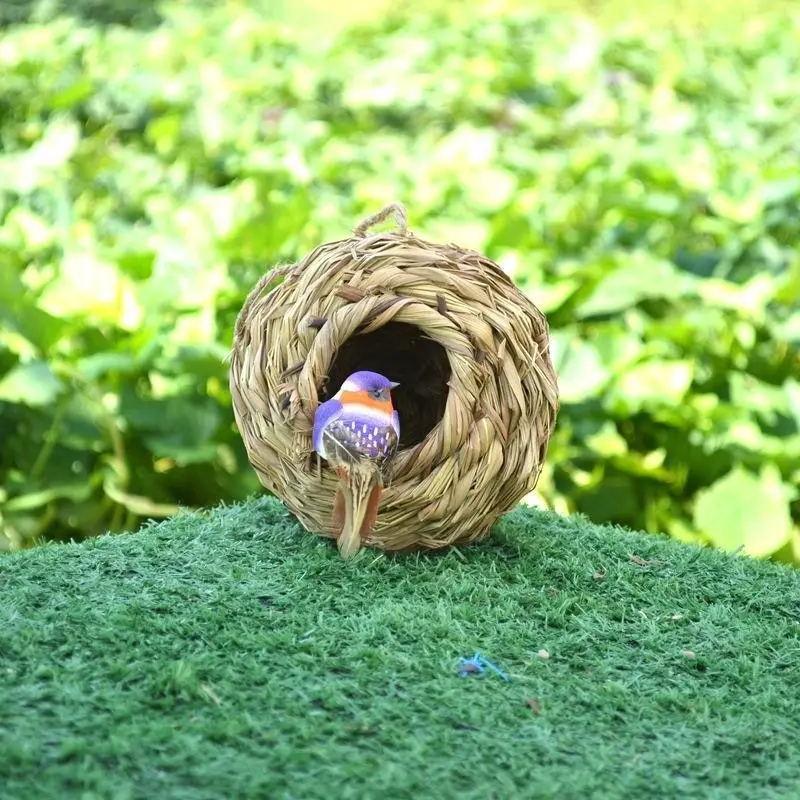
[402, 353]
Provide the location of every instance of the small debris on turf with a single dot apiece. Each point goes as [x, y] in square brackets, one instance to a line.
[476, 666]
[599, 575]
[210, 694]
[534, 705]
[688, 653]
[544, 654]
[642, 562]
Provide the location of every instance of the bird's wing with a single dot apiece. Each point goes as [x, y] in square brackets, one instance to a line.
[341, 442]
[392, 443]
[346, 441]
[326, 413]
[392, 435]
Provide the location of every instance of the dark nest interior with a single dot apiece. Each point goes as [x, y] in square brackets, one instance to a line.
[402, 353]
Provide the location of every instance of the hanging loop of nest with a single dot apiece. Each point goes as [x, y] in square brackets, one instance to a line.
[395, 209]
[477, 398]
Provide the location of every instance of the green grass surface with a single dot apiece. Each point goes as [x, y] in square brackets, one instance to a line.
[230, 655]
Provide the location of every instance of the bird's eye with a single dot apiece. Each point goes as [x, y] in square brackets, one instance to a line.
[379, 394]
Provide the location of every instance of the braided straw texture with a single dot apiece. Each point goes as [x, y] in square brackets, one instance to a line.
[476, 422]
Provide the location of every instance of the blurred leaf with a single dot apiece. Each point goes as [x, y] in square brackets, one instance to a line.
[580, 369]
[750, 298]
[489, 188]
[136, 504]
[99, 365]
[23, 173]
[30, 384]
[552, 297]
[613, 499]
[650, 384]
[792, 389]
[641, 279]
[746, 510]
[88, 286]
[607, 441]
[769, 402]
[739, 209]
[180, 423]
[27, 502]
[617, 347]
[18, 315]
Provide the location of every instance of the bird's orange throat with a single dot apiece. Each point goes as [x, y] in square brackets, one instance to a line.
[365, 399]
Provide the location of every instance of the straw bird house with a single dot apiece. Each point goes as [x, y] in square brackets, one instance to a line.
[477, 398]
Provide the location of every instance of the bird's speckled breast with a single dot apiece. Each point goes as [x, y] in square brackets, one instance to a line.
[370, 434]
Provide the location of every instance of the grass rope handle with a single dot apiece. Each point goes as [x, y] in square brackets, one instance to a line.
[400, 217]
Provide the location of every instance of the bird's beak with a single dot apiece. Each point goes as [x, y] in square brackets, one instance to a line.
[394, 385]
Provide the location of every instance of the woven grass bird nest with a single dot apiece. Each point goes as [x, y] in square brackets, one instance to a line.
[477, 398]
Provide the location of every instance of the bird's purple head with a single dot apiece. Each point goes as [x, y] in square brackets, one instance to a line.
[366, 381]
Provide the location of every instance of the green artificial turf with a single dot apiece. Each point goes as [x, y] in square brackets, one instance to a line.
[230, 655]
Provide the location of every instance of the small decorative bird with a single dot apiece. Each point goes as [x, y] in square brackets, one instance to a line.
[357, 432]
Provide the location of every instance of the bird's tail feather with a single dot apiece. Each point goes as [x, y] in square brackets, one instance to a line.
[339, 510]
[355, 513]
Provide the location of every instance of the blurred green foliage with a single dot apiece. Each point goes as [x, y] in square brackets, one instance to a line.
[134, 13]
[643, 189]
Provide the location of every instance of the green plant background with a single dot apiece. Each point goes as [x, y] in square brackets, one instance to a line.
[639, 183]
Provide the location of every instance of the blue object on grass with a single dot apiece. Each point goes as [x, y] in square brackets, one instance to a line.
[477, 666]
